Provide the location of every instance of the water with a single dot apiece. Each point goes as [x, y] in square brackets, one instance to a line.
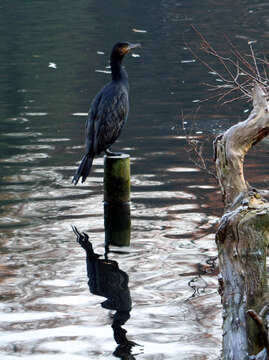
[53, 61]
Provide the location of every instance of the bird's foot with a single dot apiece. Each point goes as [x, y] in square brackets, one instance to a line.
[111, 153]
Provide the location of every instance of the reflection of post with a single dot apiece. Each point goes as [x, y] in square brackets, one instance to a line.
[116, 200]
[117, 224]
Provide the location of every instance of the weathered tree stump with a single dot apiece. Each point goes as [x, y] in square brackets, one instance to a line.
[242, 239]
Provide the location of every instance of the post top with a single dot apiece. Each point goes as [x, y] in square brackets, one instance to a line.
[117, 156]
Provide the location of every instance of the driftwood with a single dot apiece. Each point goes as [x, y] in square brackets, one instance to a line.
[242, 239]
[243, 234]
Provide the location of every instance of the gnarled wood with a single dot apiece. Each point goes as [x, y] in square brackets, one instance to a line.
[233, 145]
[243, 234]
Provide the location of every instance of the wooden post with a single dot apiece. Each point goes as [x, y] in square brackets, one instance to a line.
[117, 179]
[117, 215]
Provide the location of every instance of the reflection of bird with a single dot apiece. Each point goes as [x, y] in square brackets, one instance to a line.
[108, 280]
[108, 112]
[83, 240]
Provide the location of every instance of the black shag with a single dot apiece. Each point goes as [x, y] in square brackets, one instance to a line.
[108, 112]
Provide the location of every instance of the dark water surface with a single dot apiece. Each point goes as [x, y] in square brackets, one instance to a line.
[53, 60]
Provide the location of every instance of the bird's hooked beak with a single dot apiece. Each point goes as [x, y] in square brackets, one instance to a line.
[133, 46]
[129, 47]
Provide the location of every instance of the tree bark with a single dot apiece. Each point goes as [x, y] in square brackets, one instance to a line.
[242, 239]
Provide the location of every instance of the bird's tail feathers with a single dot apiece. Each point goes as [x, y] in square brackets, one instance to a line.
[83, 169]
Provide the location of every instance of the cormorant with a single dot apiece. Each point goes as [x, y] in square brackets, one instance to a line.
[108, 112]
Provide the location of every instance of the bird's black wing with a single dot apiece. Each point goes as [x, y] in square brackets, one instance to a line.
[89, 126]
[111, 115]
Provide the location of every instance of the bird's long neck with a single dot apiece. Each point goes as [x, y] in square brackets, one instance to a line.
[118, 72]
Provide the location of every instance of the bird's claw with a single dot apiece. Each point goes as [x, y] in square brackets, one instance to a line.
[112, 153]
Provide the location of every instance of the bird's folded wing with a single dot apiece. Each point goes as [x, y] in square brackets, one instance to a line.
[111, 114]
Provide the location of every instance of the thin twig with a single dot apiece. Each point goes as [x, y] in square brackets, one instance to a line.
[239, 74]
[239, 56]
[254, 60]
[196, 148]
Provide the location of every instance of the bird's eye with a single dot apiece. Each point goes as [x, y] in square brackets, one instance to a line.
[123, 50]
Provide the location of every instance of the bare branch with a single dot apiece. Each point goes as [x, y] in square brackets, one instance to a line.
[254, 60]
[238, 75]
[195, 148]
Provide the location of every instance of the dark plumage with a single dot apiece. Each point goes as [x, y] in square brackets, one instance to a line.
[108, 112]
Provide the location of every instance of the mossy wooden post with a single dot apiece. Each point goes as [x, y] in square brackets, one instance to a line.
[117, 179]
[242, 239]
[117, 215]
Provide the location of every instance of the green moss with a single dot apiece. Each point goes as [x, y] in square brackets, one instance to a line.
[117, 179]
[262, 222]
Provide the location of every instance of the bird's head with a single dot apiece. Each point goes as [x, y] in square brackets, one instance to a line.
[120, 49]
